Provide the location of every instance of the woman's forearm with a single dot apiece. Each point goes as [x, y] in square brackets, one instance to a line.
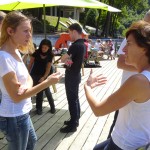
[52, 79]
[91, 99]
[31, 91]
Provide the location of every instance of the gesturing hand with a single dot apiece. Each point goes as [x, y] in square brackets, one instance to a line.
[54, 78]
[95, 80]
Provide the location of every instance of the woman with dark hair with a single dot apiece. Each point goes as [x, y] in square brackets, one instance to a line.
[40, 67]
[132, 99]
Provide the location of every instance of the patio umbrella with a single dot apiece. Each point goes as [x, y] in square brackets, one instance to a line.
[10, 5]
[24, 4]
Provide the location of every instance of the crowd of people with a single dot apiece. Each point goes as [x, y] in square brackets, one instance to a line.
[106, 47]
[96, 50]
[19, 81]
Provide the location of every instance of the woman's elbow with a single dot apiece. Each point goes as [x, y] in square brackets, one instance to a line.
[98, 113]
[16, 98]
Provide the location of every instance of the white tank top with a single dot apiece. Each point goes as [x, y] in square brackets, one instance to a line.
[132, 128]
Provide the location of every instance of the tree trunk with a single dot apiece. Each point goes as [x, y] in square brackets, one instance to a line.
[56, 27]
[107, 27]
[113, 24]
[97, 22]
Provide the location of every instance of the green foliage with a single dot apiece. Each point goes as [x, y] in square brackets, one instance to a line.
[91, 17]
[132, 10]
[38, 26]
[109, 23]
[124, 32]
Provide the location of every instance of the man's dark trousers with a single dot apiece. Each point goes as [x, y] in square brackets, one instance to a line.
[72, 88]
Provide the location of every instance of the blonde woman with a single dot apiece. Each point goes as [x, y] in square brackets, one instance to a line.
[16, 83]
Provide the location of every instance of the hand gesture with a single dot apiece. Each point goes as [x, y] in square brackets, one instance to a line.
[95, 80]
[54, 78]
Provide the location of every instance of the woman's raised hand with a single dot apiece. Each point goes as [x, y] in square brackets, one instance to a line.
[95, 80]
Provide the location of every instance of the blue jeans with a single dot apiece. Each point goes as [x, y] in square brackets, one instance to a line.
[107, 145]
[19, 132]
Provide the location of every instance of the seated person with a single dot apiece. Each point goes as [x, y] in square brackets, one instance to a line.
[98, 46]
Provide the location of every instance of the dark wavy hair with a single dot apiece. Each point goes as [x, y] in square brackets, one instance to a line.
[141, 33]
[75, 26]
[49, 44]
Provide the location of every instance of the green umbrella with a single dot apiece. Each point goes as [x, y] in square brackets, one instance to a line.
[25, 4]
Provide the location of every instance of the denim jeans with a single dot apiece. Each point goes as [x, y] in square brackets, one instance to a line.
[107, 145]
[19, 132]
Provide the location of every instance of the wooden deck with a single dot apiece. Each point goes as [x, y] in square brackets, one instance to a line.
[91, 129]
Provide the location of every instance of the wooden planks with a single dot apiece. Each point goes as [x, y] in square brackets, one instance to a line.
[91, 130]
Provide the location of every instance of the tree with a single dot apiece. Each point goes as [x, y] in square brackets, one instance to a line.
[97, 22]
[90, 18]
[109, 23]
[59, 14]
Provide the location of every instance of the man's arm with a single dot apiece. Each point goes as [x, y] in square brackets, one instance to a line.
[122, 65]
[64, 58]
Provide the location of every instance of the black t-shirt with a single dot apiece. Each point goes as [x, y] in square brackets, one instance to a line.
[39, 66]
[77, 50]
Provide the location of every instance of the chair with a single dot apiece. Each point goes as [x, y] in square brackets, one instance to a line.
[54, 88]
[82, 69]
[94, 56]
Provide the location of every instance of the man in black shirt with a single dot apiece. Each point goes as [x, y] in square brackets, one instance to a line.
[73, 60]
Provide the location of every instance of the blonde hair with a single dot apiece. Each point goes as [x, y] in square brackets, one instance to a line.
[13, 20]
[147, 16]
[2, 16]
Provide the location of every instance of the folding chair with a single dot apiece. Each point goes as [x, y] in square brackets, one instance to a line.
[94, 56]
